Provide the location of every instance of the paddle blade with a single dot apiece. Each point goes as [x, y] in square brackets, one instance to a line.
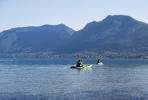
[78, 56]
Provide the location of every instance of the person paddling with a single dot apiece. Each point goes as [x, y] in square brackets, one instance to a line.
[79, 63]
[98, 61]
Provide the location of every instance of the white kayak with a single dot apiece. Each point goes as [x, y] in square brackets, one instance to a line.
[100, 64]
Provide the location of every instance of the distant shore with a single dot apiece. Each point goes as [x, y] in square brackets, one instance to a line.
[47, 55]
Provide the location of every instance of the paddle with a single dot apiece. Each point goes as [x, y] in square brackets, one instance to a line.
[78, 56]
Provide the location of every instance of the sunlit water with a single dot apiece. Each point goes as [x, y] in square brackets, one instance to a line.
[52, 79]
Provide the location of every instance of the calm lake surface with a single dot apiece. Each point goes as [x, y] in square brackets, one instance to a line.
[52, 79]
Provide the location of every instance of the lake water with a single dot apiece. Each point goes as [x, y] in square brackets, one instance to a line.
[52, 79]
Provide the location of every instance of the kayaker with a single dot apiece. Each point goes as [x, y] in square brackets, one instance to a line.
[98, 61]
[79, 63]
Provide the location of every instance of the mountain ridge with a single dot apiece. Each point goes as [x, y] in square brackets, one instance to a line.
[104, 33]
[116, 34]
[34, 39]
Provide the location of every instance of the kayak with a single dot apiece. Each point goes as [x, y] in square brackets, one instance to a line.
[100, 63]
[83, 67]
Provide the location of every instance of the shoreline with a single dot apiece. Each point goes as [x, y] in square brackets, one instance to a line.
[72, 56]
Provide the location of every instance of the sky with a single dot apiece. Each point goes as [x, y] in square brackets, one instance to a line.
[74, 13]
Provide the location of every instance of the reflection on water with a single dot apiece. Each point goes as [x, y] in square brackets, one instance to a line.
[52, 79]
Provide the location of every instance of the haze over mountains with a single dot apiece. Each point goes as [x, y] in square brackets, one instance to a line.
[117, 34]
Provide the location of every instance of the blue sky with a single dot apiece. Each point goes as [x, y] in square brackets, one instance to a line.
[73, 13]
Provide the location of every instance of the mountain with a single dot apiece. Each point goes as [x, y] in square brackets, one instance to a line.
[34, 39]
[114, 34]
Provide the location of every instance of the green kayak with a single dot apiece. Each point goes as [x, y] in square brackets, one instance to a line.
[83, 67]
